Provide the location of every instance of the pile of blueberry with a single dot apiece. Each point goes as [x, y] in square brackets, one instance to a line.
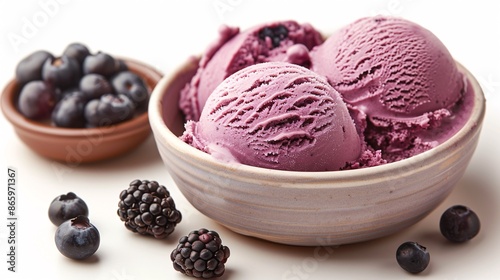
[79, 89]
[75, 237]
[457, 224]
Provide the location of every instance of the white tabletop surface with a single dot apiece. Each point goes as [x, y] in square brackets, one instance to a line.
[164, 34]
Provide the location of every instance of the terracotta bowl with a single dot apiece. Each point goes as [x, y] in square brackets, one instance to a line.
[309, 208]
[82, 145]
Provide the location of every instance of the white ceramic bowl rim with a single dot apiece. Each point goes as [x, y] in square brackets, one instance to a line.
[382, 171]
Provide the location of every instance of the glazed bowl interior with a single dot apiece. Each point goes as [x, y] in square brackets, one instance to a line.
[309, 208]
[81, 145]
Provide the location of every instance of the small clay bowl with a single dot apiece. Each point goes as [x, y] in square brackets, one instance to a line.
[81, 145]
[310, 208]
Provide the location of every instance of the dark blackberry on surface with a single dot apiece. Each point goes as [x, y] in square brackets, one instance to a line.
[147, 208]
[200, 254]
[30, 68]
[459, 224]
[412, 257]
[275, 34]
[65, 207]
[77, 238]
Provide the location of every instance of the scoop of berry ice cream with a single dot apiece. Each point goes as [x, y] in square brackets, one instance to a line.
[276, 115]
[234, 50]
[399, 75]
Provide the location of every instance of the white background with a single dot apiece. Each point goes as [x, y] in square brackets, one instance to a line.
[163, 34]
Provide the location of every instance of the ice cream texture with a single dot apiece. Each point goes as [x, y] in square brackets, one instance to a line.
[234, 50]
[396, 73]
[378, 90]
[277, 115]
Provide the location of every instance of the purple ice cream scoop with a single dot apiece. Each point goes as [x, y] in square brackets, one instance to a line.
[398, 75]
[276, 115]
[234, 50]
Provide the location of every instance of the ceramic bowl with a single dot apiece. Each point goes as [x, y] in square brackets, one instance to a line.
[309, 208]
[82, 145]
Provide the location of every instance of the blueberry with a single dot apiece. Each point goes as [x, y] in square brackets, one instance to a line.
[65, 207]
[275, 34]
[459, 224]
[94, 86]
[30, 68]
[100, 63]
[37, 99]
[109, 109]
[60, 94]
[132, 86]
[69, 112]
[77, 51]
[120, 65]
[412, 257]
[63, 72]
[77, 238]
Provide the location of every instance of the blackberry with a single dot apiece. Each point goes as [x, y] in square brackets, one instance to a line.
[200, 254]
[275, 34]
[147, 208]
